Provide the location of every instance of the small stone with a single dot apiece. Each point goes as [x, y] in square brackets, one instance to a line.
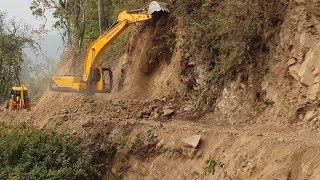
[87, 124]
[314, 92]
[199, 154]
[65, 111]
[191, 64]
[167, 113]
[300, 116]
[188, 108]
[244, 164]
[140, 114]
[309, 115]
[307, 169]
[65, 117]
[192, 141]
[293, 71]
[292, 61]
[156, 116]
[161, 144]
[155, 135]
[114, 171]
[146, 116]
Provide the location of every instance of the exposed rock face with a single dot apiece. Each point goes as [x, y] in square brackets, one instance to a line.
[289, 91]
[304, 64]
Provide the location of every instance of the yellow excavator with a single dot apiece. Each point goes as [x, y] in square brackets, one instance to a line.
[97, 79]
[19, 99]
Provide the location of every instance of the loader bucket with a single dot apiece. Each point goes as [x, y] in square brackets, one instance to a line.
[157, 7]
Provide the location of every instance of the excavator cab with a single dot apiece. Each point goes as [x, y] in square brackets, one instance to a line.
[19, 99]
[103, 80]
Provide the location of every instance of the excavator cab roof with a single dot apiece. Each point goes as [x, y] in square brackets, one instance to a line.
[19, 89]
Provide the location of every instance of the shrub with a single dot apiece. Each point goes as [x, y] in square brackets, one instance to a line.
[31, 154]
[210, 166]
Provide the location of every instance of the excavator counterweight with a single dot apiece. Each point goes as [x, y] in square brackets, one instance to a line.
[97, 79]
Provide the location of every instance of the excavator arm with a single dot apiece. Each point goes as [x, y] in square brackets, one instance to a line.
[93, 76]
[96, 49]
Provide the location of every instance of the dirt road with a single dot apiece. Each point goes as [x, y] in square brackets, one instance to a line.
[144, 147]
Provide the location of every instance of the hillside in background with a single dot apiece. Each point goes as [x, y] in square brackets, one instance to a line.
[51, 46]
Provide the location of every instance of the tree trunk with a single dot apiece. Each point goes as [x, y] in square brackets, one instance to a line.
[102, 17]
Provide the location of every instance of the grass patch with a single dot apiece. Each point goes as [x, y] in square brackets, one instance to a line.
[210, 165]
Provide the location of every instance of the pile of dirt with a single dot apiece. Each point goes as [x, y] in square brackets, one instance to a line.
[82, 108]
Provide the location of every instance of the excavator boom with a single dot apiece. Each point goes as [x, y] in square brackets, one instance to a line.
[93, 78]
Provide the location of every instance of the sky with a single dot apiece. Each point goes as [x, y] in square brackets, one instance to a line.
[20, 10]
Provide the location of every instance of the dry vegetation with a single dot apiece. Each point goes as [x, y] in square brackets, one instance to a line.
[230, 36]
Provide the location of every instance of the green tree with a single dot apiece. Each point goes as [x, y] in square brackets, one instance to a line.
[37, 76]
[13, 38]
[78, 22]
[102, 17]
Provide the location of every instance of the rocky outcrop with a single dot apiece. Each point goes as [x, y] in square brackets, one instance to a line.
[304, 64]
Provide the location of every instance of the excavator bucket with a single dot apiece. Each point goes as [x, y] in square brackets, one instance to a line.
[157, 7]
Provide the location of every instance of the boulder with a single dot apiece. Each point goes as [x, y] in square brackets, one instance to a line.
[192, 141]
[314, 92]
[291, 62]
[188, 108]
[168, 112]
[309, 115]
[87, 123]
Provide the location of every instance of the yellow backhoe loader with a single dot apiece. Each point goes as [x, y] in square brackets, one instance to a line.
[19, 99]
[96, 79]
